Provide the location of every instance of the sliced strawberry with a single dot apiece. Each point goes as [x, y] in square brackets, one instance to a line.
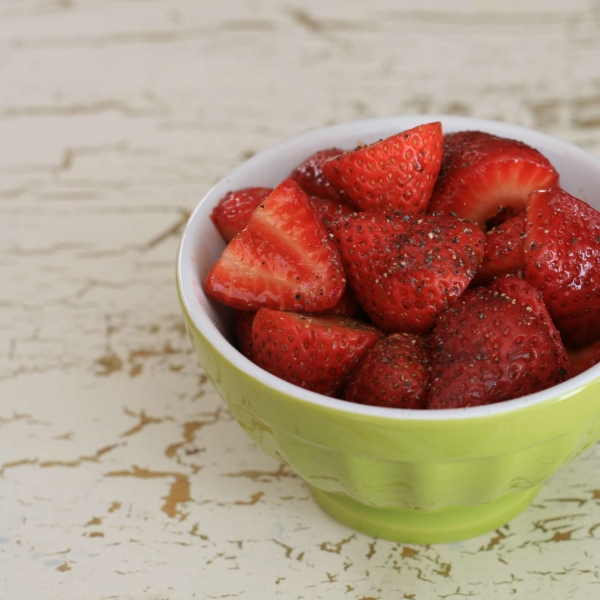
[330, 210]
[309, 175]
[397, 173]
[503, 250]
[405, 269]
[282, 259]
[242, 331]
[488, 348]
[562, 260]
[585, 358]
[233, 212]
[394, 373]
[483, 174]
[313, 352]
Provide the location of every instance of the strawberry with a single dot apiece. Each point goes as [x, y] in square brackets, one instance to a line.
[397, 173]
[394, 373]
[488, 348]
[503, 249]
[314, 352]
[562, 260]
[348, 306]
[329, 210]
[483, 174]
[309, 175]
[233, 211]
[585, 358]
[405, 269]
[242, 331]
[282, 259]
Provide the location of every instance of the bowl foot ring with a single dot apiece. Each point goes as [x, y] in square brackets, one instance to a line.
[411, 526]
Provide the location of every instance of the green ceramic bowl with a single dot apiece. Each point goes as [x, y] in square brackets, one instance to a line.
[410, 476]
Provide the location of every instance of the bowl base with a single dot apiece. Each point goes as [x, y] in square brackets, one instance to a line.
[425, 527]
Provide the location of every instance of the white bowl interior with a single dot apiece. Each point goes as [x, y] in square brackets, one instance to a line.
[202, 244]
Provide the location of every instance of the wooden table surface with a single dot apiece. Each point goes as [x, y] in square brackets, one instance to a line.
[122, 474]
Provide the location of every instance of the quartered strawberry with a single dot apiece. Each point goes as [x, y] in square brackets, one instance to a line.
[405, 269]
[242, 331]
[488, 348]
[503, 250]
[233, 211]
[394, 373]
[309, 175]
[313, 352]
[483, 174]
[282, 259]
[562, 260]
[585, 358]
[397, 173]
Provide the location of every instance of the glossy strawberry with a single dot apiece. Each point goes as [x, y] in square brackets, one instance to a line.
[233, 211]
[503, 249]
[313, 352]
[405, 269]
[348, 306]
[282, 259]
[483, 174]
[488, 348]
[309, 175]
[585, 358]
[394, 373]
[242, 331]
[562, 260]
[397, 173]
[329, 210]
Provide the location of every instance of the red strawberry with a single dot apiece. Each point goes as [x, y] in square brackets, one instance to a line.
[314, 352]
[483, 174]
[394, 373]
[309, 175]
[282, 259]
[242, 331]
[397, 173]
[348, 306]
[329, 210]
[233, 212]
[503, 250]
[488, 348]
[585, 358]
[562, 258]
[405, 269]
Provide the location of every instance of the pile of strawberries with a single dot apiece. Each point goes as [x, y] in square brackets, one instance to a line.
[422, 271]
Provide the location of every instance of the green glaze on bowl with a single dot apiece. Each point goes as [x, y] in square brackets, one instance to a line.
[409, 476]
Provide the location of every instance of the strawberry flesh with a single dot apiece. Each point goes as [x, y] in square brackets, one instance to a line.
[283, 259]
[562, 260]
[313, 352]
[397, 173]
[405, 269]
[483, 175]
[394, 373]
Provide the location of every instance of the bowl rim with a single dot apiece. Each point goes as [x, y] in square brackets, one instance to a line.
[209, 330]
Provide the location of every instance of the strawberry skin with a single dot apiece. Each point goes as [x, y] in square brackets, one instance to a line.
[313, 352]
[483, 175]
[488, 348]
[397, 173]
[310, 177]
[242, 331]
[562, 260]
[503, 250]
[329, 210]
[233, 211]
[585, 358]
[405, 269]
[283, 259]
[394, 373]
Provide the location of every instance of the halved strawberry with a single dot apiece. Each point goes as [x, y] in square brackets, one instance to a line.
[483, 174]
[503, 250]
[282, 259]
[397, 173]
[233, 212]
[394, 372]
[585, 358]
[405, 269]
[309, 175]
[488, 348]
[562, 260]
[313, 352]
